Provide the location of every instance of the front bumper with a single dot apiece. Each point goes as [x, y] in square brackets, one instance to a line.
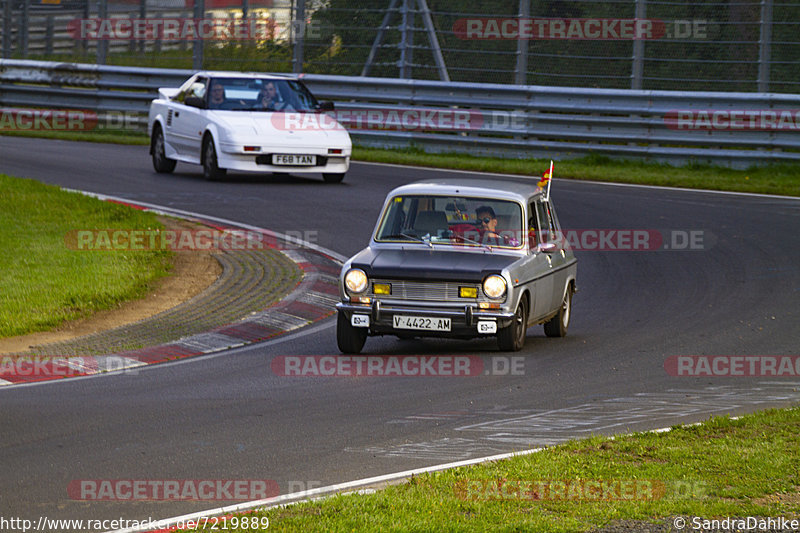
[334, 164]
[464, 318]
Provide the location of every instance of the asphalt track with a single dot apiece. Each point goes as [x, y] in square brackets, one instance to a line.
[228, 416]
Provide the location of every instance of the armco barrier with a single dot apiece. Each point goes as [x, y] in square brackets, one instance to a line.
[516, 120]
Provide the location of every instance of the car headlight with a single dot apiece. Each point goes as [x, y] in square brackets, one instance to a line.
[355, 280]
[494, 286]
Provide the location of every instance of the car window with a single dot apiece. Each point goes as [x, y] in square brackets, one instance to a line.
[254, 94]
[546, 222]
[451, 220]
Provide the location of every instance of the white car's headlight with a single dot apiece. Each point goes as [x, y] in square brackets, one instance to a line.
[494, 286]
[355, 280]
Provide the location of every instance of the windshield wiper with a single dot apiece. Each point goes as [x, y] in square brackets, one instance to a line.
[462, 237]
[406, 235]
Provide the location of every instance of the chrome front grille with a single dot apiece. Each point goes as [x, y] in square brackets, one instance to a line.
[427, 291]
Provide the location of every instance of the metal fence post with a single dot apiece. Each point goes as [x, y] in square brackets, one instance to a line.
[521, 72]
[48, 36]
[197, 46]
[6, 29]
[765, 46]
[299, 34]
[83, 43]
[25, 24]
[637, 67]
[102, 44]
[405, 42]
[142, 15]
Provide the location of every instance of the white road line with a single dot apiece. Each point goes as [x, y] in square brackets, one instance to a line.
[588, 182]
[352, 486]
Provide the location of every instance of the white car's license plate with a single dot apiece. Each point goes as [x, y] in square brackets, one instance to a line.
[294, 160]
[421, 322]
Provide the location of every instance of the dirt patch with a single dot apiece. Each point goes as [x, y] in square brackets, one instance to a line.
[192, 273]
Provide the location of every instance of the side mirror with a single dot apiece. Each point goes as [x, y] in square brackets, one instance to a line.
[548, 247]
[326, 106]
[194, 101]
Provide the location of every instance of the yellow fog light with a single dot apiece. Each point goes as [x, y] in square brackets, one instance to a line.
[468, 292]
[356, 280]
[494, 286]
[382, 288]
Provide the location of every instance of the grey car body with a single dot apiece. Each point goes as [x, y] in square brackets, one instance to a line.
[433, 269]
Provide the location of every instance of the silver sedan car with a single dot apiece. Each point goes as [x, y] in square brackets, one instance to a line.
[460, 258]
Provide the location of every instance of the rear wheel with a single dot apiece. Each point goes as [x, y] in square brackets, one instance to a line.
[557, 326]
[211, 170]
[332, 178]
[161, 164]
[512, 337]
[349, 339]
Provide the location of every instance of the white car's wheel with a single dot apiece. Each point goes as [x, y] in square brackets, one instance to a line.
[161, 163]
[211, 170]
[332, 178]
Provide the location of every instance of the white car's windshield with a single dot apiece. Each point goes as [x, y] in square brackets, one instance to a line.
[453, 220]
[248, 94]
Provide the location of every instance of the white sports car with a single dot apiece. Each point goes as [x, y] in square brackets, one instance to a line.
[248, 122]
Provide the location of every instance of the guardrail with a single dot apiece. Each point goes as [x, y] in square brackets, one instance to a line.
[735, 129]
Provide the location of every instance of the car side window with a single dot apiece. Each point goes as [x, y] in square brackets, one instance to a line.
[196, 89]
[546, 222]
[533, 226]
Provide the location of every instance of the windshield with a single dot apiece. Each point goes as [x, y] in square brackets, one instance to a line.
[452, 220]
[248, 94]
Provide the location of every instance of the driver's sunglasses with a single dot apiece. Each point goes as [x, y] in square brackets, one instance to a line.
[485, 220]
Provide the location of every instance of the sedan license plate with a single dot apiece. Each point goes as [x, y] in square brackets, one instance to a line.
[422, 322]
[294, 160]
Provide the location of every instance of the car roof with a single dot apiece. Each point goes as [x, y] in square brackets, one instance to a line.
[510, 188]
[251, 75]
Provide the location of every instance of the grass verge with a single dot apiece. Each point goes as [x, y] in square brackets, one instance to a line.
[43, 282]
[723, 467]
[774, 179]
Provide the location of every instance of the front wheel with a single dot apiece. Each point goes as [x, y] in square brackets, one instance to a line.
[332, 178]
[349, 339]
[211, 170]
[161, 163]
[557, 326]
[512, 337]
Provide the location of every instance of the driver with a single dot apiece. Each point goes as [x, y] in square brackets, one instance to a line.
[487, 227]
[487, 222]
[217, 99]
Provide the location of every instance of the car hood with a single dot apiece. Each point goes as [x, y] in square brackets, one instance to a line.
[431, 264]
[290, 128]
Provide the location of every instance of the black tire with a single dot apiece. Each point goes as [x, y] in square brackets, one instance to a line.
[512, 338]
[211, 170]
[161, 163]
[557, 326]
[332, 178]
[349, 339]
